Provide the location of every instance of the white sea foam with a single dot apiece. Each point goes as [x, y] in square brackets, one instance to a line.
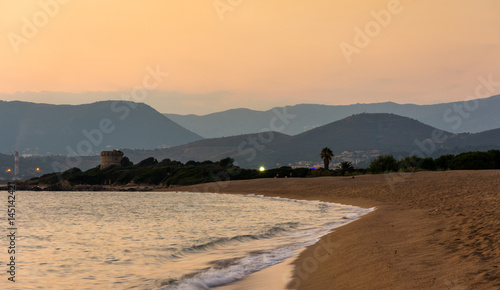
[163, 239]
[242, 267]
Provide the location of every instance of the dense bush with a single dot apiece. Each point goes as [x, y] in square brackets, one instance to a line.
[53, 178]
[126, 162]
[465, 161]
[476, 160]
[169, 172]
[150, 176]
[415, 163]
[384, 163]
[443, 162]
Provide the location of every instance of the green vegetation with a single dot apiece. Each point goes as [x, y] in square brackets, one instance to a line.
[384, 163]
[126, 162]
[170, 173]
[167, 172]
[326, 155]
[474, 160]
[345, 168]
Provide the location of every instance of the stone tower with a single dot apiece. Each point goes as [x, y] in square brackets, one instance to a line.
[109, 158]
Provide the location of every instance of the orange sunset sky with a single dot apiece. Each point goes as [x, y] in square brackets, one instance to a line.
[248, 53]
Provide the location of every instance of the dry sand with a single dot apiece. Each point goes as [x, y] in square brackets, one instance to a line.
[431, 230]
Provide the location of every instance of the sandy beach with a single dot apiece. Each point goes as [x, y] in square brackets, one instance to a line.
[431, 230]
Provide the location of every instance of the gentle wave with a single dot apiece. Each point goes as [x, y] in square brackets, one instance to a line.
[236, 270]
[154, 240]
[232, 270]
[277, 230]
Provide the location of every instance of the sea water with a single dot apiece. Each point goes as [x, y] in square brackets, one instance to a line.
[158, 240]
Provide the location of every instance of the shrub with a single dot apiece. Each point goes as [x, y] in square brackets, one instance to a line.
[147, 162]
[384, 163]
[443, 162]
[472, 161]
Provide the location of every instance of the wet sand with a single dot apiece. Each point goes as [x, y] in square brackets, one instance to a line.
[275, 277]
[431, 230]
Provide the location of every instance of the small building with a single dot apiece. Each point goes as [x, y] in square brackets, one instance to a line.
[109, 158]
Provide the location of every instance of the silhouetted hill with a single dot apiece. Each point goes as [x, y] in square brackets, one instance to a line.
[248, 150]
[488, 138]
[228, 123]
[456, 117]
[86, 129]
[358, 138]
[364, 132]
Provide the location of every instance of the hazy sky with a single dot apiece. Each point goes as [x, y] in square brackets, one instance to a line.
[247, 53]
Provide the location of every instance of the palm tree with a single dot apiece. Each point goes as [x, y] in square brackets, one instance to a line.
[345, 167]
[326, 155]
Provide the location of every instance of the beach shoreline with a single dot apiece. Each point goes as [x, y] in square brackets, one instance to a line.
[433, 230]
[280, 276]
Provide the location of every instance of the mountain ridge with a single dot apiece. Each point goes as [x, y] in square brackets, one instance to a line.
[86, 129]
[455, 117]
[357, 138]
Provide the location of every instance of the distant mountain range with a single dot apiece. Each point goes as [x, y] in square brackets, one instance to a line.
[358, 138]
[457, 117]
[61, 129]
[86, 129]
